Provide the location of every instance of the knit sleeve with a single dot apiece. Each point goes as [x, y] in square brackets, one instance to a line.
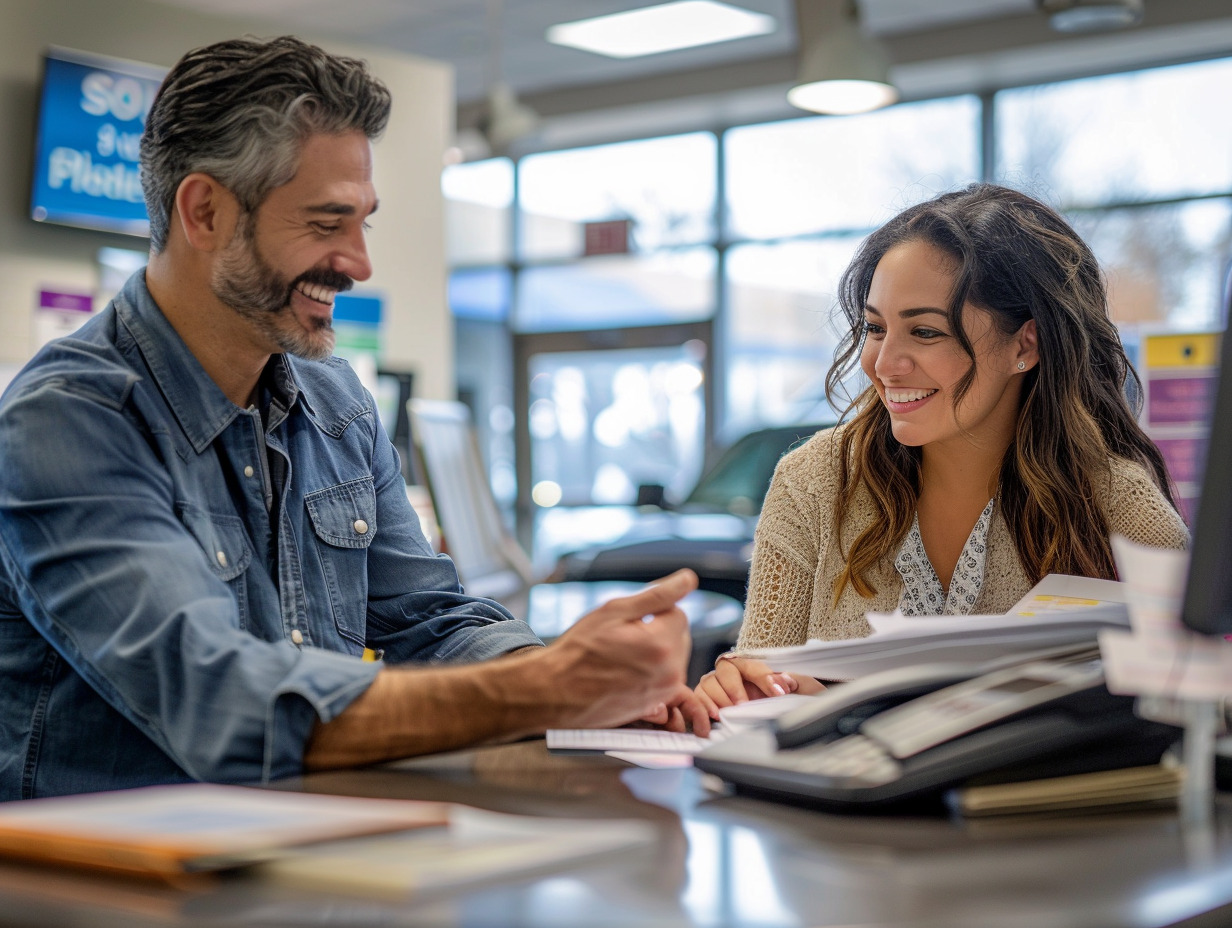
[1137, 509]
[785, 553]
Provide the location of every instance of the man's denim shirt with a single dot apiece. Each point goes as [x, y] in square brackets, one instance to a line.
[155, 626]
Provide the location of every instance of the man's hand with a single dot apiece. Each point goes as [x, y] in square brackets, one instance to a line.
[626, 661]
[739, 679]
[687, 713]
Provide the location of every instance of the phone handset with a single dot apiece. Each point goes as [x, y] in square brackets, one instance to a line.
[841, 709]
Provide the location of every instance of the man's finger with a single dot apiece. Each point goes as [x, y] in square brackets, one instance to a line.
[698, 716]
[658, 716]
[675, 721]
[660, 595]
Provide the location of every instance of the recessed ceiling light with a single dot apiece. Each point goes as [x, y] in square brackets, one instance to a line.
[667, 27]
[1092, 15]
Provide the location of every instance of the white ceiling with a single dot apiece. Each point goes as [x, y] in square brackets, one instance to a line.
[936, 46]
[459, 31]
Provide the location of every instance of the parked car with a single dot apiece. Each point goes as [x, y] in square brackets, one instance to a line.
[710, 531]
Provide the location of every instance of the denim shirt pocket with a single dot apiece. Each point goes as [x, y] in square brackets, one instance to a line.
[227, 552]
[344, 520]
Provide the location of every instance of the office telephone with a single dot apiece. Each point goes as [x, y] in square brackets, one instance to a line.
[913, 733]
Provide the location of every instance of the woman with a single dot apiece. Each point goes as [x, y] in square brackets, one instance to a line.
[994, 445]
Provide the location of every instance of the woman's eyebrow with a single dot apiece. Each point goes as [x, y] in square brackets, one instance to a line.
[909, 313]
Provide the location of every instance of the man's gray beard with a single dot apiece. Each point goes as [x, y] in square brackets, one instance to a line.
[243, 281]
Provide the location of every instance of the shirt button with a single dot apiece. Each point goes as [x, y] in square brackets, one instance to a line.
[361, 527]
[297, 637]
[222, 558]
[248, 471]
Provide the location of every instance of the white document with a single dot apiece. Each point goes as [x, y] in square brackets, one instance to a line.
[1065, 593]
[650, 747]
[1060, 611]
[758, 713]
[1161, 657]
[632, 740]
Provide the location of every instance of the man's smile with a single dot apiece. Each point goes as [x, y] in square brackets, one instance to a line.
[318, 293]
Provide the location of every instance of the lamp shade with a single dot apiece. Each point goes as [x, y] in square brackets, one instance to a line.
[508, 119]
[842, 70]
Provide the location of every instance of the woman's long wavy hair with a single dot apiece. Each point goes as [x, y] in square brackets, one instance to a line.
[1018, 259]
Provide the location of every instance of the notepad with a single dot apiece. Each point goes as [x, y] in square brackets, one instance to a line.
[171, 831]
[1128, 786]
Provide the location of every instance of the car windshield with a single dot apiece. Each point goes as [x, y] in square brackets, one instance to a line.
[740, 477]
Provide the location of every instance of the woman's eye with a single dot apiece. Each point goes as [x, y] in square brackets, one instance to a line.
[873, 329]
[928, 333]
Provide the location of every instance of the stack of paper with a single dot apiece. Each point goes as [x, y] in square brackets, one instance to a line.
[1059, 612]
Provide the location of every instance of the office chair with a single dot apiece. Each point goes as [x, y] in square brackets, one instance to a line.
[492, 564]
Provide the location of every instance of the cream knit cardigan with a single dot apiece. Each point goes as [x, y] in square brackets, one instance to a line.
[796, 555]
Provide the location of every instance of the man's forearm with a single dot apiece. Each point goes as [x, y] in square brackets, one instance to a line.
[410, 711]
[623, 661]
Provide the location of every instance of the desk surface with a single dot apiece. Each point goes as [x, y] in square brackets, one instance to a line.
[720, 860]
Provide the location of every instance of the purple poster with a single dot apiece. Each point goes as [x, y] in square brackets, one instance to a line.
[1180, 400]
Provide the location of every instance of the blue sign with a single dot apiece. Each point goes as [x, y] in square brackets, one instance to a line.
[91, 117]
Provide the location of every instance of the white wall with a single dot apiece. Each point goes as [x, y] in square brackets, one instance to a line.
[407, 239]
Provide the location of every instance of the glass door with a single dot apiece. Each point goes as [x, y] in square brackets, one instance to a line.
[609, 413]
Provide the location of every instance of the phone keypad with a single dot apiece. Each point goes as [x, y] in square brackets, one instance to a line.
[855, 758]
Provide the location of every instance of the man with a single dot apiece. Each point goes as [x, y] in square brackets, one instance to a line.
[202, 523]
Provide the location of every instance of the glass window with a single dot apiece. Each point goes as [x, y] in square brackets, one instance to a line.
[604, 422]
[481, 293]
[1125, 137]
[781, 331]
[666, 186]
[478, 200]
[1164, 263]
[616, 291]
[852, 172]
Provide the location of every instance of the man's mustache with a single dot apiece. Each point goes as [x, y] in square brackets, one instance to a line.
[324, 277]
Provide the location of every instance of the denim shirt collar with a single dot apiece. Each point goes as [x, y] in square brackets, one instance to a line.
[200, 407]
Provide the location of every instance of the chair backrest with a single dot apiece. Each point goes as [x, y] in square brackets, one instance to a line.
[487, 556]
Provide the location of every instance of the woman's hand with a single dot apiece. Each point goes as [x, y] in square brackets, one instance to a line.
[739, 679]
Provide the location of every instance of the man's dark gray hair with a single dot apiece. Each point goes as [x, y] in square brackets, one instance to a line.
[240, 111]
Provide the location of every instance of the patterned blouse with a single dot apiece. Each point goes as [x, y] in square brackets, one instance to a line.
[922, 590]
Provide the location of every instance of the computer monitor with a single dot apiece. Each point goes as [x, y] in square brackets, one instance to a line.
[1208, 592]
[91, 116]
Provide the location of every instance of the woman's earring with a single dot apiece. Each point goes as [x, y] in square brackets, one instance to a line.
[1022, 365]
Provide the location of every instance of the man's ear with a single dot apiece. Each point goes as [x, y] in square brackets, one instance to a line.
[206, 211]
[1027, 343]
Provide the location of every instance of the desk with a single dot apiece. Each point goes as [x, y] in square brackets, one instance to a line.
[720, 861]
